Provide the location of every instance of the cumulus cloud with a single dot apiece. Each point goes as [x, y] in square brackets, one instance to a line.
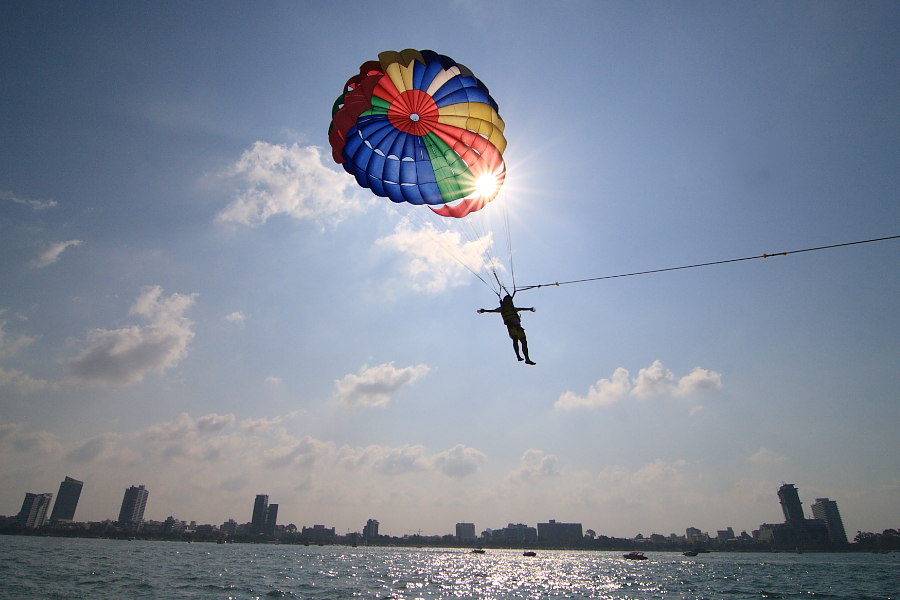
[261, 426]
[399, 461]
[125, 356]
[605, 391]
[698, 380]
[185, 427]
[303, 453]
[459, 461]
[276, 179]
[52, 254]
[534, 465]
[652, 381]
[33, 204]
[376, 385]
[436, 260]
[92, 449]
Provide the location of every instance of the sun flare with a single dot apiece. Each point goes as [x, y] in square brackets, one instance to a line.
[486, 185]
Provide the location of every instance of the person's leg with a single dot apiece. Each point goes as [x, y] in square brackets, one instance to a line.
[528, 360]
[516, 348]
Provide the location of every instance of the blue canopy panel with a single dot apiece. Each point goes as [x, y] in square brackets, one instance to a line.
[459, 90]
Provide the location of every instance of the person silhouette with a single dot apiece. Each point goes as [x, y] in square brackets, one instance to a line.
[510, 314]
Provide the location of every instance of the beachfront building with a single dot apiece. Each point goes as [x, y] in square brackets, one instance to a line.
[827, 510]
[133, 504]
[66, 500]
[34, 509]
[465, 532]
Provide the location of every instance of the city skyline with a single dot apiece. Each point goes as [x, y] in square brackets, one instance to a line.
[263, 520]
[196, 297]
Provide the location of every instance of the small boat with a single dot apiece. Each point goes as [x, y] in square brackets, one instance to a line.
[477, 551]
[689, 553]
[529, 553]
[635, 556]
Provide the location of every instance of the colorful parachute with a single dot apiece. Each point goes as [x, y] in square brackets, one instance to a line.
[418, 127]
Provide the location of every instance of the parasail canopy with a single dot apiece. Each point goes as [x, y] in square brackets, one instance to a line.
[418, 127]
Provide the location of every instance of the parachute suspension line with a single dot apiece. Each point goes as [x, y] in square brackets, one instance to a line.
[416, 217]
[707, 264]
[507, 230]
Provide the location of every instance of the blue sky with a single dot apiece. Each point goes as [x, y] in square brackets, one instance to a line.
[196, 298]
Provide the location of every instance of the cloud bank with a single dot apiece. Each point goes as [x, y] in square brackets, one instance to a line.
[652, 381]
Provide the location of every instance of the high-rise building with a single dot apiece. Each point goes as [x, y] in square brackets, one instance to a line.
[554, 532]
[827, 510]
[133, 504]
[790, 504]
[34, 509]
[66, 500]
[260, 508]
[370, 531]
[271, 518]
[465, 532]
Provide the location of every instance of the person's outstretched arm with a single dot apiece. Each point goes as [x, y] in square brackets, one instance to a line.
[484, 310]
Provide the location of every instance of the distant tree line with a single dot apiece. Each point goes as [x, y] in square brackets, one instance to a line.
[886, 541]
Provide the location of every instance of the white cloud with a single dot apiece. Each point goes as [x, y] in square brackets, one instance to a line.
[459, 461]
[186, 427]
[698, 380]
[52, 254]
[275, 179]
[436, 260]
[21, 381]
[605, 391]
[766, 456]
[10, 347]
[655, 471]
[534, 465]
[653, 381]
[36, 443]
[273, 380]
[299, 453]
[34, 204]
[400, 461]
[236, 317]
[376, 385]
[93, 448]
[260, 426]
[125, 356]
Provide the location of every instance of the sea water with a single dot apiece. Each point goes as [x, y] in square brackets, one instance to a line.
[40, 567]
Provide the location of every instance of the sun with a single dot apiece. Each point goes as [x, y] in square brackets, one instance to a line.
[486, 185]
